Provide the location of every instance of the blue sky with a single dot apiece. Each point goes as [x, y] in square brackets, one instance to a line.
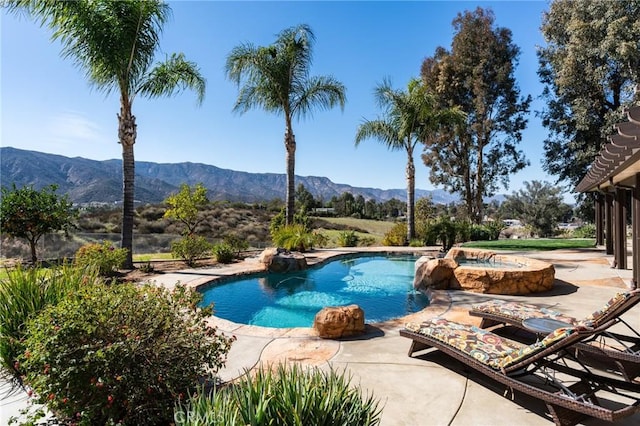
[47, 104]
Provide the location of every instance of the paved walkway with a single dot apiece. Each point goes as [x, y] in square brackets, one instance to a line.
[430, 390]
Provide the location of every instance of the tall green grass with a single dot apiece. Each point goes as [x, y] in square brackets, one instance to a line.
[24, 292]
[287, 395]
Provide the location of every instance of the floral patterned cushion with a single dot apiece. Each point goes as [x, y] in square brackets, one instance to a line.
[484, 346]
[521, 311]
[516, 356]
[611, 305]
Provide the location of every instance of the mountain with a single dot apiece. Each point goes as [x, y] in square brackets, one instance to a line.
[88, 181]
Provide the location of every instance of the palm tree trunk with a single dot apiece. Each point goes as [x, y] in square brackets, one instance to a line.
[127, 138]
[290, 146]
[411, 191]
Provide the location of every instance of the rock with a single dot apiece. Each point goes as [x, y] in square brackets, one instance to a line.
[434, 273]
[484, 271]
[339, 321]
[277, 259]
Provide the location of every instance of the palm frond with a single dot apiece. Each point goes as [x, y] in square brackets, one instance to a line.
[323, 92]
[172, 76]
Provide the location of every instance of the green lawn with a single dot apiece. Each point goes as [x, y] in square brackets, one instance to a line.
[533, 244]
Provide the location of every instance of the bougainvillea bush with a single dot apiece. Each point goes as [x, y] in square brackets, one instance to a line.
[121, 354]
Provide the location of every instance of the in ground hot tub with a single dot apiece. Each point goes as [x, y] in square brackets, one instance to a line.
[484, 271]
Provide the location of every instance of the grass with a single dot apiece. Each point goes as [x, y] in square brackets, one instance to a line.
[533, 244]
[375, 229]
[153, 256]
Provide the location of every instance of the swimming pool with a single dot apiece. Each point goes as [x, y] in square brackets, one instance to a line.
[381, 285]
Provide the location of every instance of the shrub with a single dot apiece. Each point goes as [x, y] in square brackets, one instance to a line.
[236, 243]
[121, 353]
[191, 248]
[347, 239]
[287, 396]
[495, 228]
[23, 294]
[585, 231]
[294, 237]
[278, 221]
[105, 257]
[397, 236]
[223, 253]
[479, 233]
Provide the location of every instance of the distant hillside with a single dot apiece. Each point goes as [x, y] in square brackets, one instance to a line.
[101, 181]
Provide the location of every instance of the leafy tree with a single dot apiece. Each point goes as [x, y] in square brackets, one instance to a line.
[276, 78]
[304, 198]
[539, 205]
[115, 43]
[186, 205]
[28, 213]
[589, 67]
[408, 119]
[478, 75]
[425, 210]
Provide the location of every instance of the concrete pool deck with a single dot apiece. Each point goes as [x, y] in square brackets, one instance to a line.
[430, 390]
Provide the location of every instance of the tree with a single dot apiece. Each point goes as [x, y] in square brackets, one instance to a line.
[276, 78]
[186, 205]
[115, 43]
[30, 214]
[589, 67]
[539, 205]
[478, 75]
[304, 198]
[409, 118]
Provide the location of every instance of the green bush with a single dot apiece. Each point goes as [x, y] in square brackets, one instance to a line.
[294, 237]
[479, 233]
[347, 239]
[299, 218]
[121, 354]
[105, 257]
[23, 294]
[191, 248]
[287, 396]
[397, 236]
[223, 253]
[585, 231]
[444, 230]
[236, 243]
[494, 228]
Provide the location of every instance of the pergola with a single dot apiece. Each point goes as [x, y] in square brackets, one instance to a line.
[612, 176]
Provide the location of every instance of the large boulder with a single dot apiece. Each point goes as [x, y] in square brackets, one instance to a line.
[277, 259]
[339, 321]
[484, 271]
[433, 273]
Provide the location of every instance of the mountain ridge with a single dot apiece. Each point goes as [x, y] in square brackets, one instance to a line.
[93, 181]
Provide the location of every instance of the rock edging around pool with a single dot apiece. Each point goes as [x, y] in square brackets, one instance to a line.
[520, 275]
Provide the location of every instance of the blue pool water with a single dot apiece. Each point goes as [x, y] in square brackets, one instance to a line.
[381, 285]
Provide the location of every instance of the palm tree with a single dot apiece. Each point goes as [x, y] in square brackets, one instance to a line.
[276, 78]
[409, 118]
[115, 43]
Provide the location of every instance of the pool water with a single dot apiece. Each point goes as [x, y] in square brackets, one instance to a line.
[381, 285]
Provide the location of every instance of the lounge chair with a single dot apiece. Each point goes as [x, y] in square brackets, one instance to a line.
[543, 370]
[607, 350]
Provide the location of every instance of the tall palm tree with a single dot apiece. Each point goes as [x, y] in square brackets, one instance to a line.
[409, 118]
[276, 78]
[115, 43]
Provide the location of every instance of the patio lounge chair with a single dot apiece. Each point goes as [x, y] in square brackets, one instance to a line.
[543, 370]
[607, 350]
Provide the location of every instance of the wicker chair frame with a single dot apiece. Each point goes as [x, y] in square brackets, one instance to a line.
[607, 350]
[569, 400]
